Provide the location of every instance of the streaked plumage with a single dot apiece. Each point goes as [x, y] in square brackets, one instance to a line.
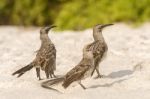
[45, 57]
[98, 47]
[78, 73]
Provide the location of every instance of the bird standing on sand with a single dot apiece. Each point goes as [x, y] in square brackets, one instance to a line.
[45, 57]
[78, 73]
[98, 47]
[81, 71]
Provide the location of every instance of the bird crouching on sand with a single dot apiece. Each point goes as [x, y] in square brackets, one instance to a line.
[78, 73]
[98, 47]
[45, 57]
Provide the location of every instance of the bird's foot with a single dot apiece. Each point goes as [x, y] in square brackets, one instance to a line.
[54, 76]
[99, 76]
[82, 86]
[40, 79]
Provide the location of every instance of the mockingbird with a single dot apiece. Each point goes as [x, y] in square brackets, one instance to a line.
[78, 73]
[45, 57]
[98, 47]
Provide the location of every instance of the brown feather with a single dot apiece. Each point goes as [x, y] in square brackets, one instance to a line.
[46, 55]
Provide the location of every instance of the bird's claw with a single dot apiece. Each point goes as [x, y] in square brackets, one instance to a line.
[40, 79]
[99, 76]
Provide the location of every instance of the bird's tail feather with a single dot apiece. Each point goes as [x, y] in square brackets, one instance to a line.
[24, 69]
[47, 84]
[66, 83]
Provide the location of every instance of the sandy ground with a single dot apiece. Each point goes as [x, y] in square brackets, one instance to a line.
[128, 48]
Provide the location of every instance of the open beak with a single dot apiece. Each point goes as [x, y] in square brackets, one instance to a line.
[105, 25]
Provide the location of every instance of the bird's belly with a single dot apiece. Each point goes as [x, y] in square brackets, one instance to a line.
[104, 56]
[88, 73]
[37, 66]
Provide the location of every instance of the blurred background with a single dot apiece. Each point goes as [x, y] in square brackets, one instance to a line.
[73, 14]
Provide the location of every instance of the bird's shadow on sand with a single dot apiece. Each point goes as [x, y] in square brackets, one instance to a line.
[119, 74]
[107, 84]
[113, 75]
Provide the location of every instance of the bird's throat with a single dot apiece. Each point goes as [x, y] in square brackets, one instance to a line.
[97, 35]
[45, 39]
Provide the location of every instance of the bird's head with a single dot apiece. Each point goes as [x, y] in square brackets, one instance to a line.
[100, 27]
[46, 29]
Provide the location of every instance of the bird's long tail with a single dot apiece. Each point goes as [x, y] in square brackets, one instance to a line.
[24, 69]
[47, 84]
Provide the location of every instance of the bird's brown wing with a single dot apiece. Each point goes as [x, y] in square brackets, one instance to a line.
[47, 56]
[51, 56]
[98, 48]
[75, 74]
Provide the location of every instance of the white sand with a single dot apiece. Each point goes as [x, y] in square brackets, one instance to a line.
[127, 48]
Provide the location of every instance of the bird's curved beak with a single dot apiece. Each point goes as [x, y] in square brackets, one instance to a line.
[50, 27]
[53, 26]
[105, 25]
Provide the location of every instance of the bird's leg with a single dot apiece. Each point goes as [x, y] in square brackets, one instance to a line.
[53, 74]
[47, 72]
[82, 85]
[93, 71]
[97, 68]
[50, 75]
[98, 73]
[38, 73]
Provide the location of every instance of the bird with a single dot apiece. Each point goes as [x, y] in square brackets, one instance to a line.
[45, 58]
[98, 47]
[81, 71]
